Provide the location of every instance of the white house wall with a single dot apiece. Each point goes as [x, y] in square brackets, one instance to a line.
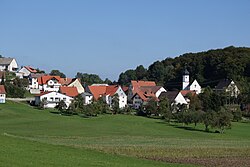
[78, 85]
[157, 94]
[180, 99]
[53, 99]
[196, 87]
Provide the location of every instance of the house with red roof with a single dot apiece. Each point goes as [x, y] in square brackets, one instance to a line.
[69, 91]
[108, 93]
[52, 99]
[140, 92]
[49, 83]
[76, 82]
[25, 71]
[2, 94]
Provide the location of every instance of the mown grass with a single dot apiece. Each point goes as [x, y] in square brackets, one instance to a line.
[132, 136]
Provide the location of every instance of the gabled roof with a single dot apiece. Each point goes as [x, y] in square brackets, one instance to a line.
[65, 81]
[111, 90]
[224, 83]
[150, 89]
[142, 83]
[186, 92]
[97, 91]
[171, 95]
[44, 79]
[69, 91]
[36, 75]
[2, 89]
[30, 69]
[5, 61]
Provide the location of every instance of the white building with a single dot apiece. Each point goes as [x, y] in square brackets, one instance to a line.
[8, 64]
[87, 98]
[48, 83]
[195, 86]
[76, 83]
[25, 71]
[52, 99]
[228, 86]
[174, 97]
[2, 94]
[108, 93]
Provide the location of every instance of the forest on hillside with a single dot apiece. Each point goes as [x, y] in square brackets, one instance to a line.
[207, 67]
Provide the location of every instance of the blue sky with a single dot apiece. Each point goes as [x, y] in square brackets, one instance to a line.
[107, 37]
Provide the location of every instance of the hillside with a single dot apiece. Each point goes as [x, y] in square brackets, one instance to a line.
[207, 67]
[31, 137]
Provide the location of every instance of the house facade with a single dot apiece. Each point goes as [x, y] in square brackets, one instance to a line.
[87, 98]
[143, 91]
[174, 97]
[77, 83]
[186, 85]
[48, 83]
[108, 93]
[52, 99]
[228, 86]
[8, 64]
[2, 94]
[25, 71]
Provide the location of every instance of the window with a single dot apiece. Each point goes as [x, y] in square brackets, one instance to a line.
[51, 98]
[57, 99]
[64, 99]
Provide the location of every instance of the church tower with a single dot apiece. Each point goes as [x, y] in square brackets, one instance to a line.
[185, 79]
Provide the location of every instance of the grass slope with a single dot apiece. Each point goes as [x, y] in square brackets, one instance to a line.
[53, 140]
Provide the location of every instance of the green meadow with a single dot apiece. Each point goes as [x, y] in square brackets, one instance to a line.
[31, 137]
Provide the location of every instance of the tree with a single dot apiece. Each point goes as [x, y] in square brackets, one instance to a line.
[57, 73]
[223, 120]
[164, 109]
[42, 103]
[151, 107]
[89, 79]
[141, 73]
[62, 106]
[115, 104]
[209, 119]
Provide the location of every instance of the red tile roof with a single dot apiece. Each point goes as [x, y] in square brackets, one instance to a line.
[97, 91]
[30, 69]
[65, 81]
[137, 84]
[69, 91]
[111, 90]
[100, 90]
[185, 92]
[2, 89]
[44, 79]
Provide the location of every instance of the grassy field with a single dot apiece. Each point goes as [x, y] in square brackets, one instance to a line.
[30, 137]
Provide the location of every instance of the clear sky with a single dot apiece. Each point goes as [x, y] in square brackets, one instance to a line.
[107, 37]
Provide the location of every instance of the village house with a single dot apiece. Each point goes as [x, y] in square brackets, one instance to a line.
[174, 97]
[107, 93]
[75, 82]
[87, 98]
[228, 86]
[48, 83]
[52, 99]
[2, 94]
[25, 71]
[140, 92]
[8, 64]
[186, 85]
[33, 82]
[69, 91]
